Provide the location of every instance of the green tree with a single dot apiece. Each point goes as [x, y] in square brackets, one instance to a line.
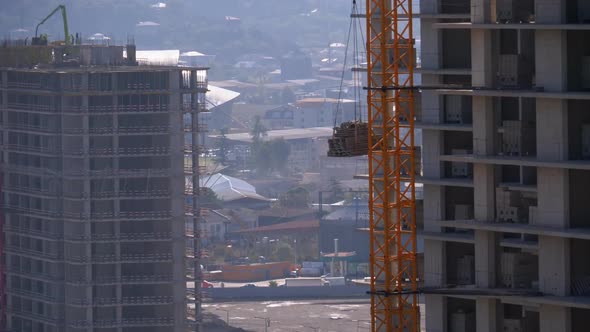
[223, 146]
[284, 253]
[258, 130]
[279, 154]
[297, 197]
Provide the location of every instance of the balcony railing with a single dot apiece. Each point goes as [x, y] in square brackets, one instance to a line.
[132, 300]
[32, 274]
[112, 258]
[34, 232]
[130, 279]
[34, 295]
[158, 321]
[29, 252]
[120, 237]
[581, 285]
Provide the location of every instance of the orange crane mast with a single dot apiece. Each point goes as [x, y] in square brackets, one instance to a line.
[392, 204]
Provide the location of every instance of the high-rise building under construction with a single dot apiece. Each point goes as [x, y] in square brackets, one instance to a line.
[506, 164]
[94, 171]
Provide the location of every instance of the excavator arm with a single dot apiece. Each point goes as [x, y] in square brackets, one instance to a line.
[65, 22]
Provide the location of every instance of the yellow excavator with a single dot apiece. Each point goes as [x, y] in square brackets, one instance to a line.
[43, 39]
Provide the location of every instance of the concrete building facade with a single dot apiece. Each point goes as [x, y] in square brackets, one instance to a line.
[93, 169]
[506, 165]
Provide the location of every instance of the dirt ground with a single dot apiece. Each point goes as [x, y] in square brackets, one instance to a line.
[291, 316]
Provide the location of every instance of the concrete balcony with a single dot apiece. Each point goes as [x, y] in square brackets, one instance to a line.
[126, 279]
[126, 322]
[131, 300]
[517, 161]
[123, 258]
[33, 232]
[14, 250]
[20, 271]
[123, 237]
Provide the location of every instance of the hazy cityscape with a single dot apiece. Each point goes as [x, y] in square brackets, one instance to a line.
[310, 165]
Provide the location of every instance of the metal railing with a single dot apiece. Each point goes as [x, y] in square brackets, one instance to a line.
[29, 252]
[39, 233]
[120, 237]
[158, 321]
[131, 300]
[34, 295]
[580, 285]
[112, 258]
[131, 279]
[31, 274]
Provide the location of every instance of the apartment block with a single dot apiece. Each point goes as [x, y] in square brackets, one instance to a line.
[95, 153]
[506, 143]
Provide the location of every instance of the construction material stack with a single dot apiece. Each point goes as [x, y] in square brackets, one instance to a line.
[350, 139]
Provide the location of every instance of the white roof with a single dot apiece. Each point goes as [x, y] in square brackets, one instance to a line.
[286, 134]
[159, 57]
[192, 53]
[229, 189]
[217, 96]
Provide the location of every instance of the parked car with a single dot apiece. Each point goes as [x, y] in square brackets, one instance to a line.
[206, 284]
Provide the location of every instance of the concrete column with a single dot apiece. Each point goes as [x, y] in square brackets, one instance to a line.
[431, 45]
[432, 149]
[550, 11]
[482, 53]
[435, 270]
[432, 107]
[554, 318]
[177, 186]
[553, 197]
[552, 133]
[483, 126]
[436, 313]
[486, 316]
[554, 266]
[551, 59]
[485, 259]
[483, 192]
[483, 11]
[434, 207]
[429, 7]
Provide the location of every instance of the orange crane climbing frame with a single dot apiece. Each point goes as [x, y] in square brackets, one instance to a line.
[390, 89]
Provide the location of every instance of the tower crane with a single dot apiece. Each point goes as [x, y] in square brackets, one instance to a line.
[389, 132]
[392, 203]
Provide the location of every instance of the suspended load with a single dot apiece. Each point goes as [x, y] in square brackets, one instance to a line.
[350, 139]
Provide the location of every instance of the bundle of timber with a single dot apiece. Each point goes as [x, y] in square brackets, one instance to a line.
[350, 139]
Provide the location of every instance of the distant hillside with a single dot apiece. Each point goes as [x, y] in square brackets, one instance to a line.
[265, 26]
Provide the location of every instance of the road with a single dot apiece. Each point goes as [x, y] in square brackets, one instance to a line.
[291, 316]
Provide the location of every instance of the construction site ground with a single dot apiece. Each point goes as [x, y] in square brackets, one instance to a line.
[291, 316]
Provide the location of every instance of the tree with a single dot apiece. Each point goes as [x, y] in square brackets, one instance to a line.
[284, 253]
[258, 130]
[223, 146]
[297, 197]
[279, 154]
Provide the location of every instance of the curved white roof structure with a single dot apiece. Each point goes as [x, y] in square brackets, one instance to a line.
[229, 189]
